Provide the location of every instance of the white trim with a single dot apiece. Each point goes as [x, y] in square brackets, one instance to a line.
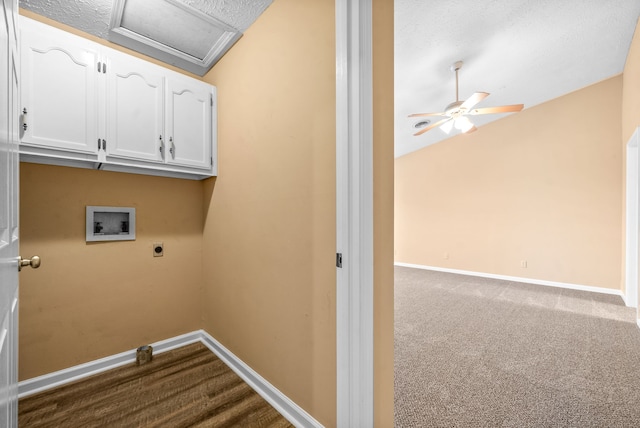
[71, 374]
[354, 213]
[624, 299]
[632, 216]
[518, 279]
[291, 411]
[638, 322]
[287, 408]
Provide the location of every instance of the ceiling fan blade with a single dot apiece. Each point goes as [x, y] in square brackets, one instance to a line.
[500, 109]
[433, 125]
[473, 100]
[427, 114]
[472, 129]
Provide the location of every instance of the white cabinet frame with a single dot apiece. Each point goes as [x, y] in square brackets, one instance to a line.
[108, 110]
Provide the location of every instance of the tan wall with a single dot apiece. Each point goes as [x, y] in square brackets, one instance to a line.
[268, 240]
[88, 301]
[91, 300]
[269, 235]
[383, 211]
[630, 121]
[543, 185]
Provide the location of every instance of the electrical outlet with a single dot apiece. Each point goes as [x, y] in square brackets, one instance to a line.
[158, 249]
[523, 263]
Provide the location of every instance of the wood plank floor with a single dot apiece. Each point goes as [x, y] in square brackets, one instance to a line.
[186, 387]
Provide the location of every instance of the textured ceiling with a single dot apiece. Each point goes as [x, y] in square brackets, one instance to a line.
[94, 16]
[521, 51]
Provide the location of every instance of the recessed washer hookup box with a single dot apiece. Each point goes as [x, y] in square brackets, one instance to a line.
[111, 224]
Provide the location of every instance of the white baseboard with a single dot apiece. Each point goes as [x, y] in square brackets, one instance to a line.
[624, 299]
[61, 377]
[291, 411]
[519, 279]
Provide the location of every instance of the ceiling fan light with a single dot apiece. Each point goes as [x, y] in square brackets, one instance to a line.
[463, 124]
[447, 126]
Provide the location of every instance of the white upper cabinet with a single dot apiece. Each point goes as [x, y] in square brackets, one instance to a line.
[87, 105]
[59, 99]
[135, 100]
[188, 115]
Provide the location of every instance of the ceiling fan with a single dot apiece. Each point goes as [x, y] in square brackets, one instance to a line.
[455, 114]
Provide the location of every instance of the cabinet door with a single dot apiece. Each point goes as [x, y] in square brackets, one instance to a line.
[188, 118]
[59, 90]
[135, 93]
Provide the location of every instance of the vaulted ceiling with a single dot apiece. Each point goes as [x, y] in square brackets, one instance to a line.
[520, 51]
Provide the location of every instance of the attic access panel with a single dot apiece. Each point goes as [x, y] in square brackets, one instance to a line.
[172, 32]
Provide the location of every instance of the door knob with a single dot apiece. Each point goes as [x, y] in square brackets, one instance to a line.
[34, 262]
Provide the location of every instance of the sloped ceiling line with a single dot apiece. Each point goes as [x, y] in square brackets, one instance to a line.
[520, 51]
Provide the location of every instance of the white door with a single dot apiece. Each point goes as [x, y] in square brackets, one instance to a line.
[8, 217]
[188, 118]
[59, 90]
[135, 99]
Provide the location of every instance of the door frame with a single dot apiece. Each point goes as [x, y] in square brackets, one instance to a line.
[9, 215]
[632, 217]
[354, 213]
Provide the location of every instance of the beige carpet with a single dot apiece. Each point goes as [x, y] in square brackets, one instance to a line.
[474, 352]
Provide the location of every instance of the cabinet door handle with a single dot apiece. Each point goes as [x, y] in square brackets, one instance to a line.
[23, 119]
[161, 148]
[172, 149]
